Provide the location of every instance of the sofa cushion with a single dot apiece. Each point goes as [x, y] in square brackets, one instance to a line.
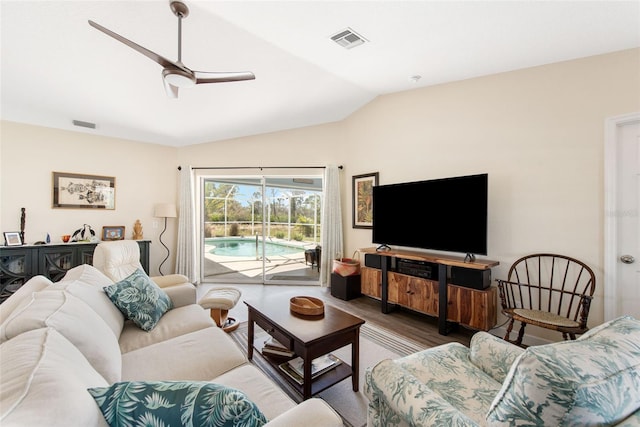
[196, 403]
[196, 356]
[493, 355]
[175, 322]
[590, 381]
[76, 321]
[23, 293]
[258, 387]
[88, 274]
[313, 412]
[87, 283]
[140, 299]
[399, 399]
[95, 298]
[44, 382]
[456, 389]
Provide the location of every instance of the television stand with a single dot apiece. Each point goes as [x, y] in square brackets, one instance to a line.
[422, 282]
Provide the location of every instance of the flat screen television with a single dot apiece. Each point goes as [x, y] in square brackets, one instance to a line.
[448, 214]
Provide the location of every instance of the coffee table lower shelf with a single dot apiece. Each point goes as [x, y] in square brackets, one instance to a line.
[318, 384]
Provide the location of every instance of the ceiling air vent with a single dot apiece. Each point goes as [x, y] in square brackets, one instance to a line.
[348, 38]
[84, 124]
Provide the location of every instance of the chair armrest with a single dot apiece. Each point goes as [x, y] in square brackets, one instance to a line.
[394, 391]
[493, 355]
[310, 413]
[170, 280]
[182, 295]
[180, 290]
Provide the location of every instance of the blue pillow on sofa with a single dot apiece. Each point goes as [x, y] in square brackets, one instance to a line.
[176, 403]
[139, 299]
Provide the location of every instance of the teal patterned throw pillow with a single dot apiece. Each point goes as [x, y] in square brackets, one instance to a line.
[139, 299]
[176, 403]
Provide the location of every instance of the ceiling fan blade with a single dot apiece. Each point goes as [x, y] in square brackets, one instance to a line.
[221, 77]
[172, 91]
[146, 52]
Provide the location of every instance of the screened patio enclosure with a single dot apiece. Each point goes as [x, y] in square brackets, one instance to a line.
[260, 229]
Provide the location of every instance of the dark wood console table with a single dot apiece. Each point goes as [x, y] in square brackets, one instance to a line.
[18, 264]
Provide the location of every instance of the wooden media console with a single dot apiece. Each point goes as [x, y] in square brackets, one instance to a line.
[432, 284]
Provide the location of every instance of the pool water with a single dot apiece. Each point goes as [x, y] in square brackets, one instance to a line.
[247, 248]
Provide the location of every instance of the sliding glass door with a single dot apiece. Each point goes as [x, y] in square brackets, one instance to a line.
[261, 229]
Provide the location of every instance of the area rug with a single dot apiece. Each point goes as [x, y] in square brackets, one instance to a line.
[376, 344]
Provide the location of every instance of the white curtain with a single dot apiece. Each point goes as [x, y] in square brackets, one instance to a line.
[332, 243]
[186, 254]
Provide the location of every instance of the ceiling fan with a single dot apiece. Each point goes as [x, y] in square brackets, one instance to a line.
[175, 74]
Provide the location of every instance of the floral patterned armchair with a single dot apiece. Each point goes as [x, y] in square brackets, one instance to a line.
[593, 380]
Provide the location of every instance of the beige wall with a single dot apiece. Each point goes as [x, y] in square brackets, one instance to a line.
[145, 175]
[538, 132]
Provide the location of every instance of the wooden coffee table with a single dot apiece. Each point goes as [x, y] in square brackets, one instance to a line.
[309, 337]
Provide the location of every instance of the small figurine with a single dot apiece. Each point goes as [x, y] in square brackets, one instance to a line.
[23, 217]
[137, 230]
[84, 234]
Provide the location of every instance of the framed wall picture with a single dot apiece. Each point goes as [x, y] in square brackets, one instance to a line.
[79, 191]
[113, 232]
[363, 199]
[12, 238]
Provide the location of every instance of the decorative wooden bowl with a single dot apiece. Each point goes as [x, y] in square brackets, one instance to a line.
[308, 306]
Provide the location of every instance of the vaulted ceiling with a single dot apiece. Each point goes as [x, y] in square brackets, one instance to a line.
[56, 68]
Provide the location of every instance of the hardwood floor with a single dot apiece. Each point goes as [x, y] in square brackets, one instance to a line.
[415, 326]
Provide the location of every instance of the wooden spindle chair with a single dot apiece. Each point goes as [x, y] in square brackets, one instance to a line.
[550, 291]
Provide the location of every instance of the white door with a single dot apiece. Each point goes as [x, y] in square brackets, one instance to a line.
[622, 283]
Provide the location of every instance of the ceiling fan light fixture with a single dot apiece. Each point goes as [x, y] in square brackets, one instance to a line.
[179, 78]
[175, 75]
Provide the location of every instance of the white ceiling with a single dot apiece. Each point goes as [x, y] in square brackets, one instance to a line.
[56, 68]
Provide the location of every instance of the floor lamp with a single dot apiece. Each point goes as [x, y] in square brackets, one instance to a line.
[164, 210]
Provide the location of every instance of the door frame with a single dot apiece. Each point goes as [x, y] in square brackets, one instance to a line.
[612, 127]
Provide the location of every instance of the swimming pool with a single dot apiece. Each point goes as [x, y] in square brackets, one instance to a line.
[247, 248]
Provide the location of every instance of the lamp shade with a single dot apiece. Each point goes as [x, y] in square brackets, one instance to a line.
[165, 210]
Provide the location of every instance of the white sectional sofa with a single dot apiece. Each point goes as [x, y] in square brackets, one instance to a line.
[57, 340]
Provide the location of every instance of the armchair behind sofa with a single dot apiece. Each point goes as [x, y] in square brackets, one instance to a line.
[593, 380]
[120, 258]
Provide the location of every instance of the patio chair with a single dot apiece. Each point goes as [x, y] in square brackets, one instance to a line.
[313, 256]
